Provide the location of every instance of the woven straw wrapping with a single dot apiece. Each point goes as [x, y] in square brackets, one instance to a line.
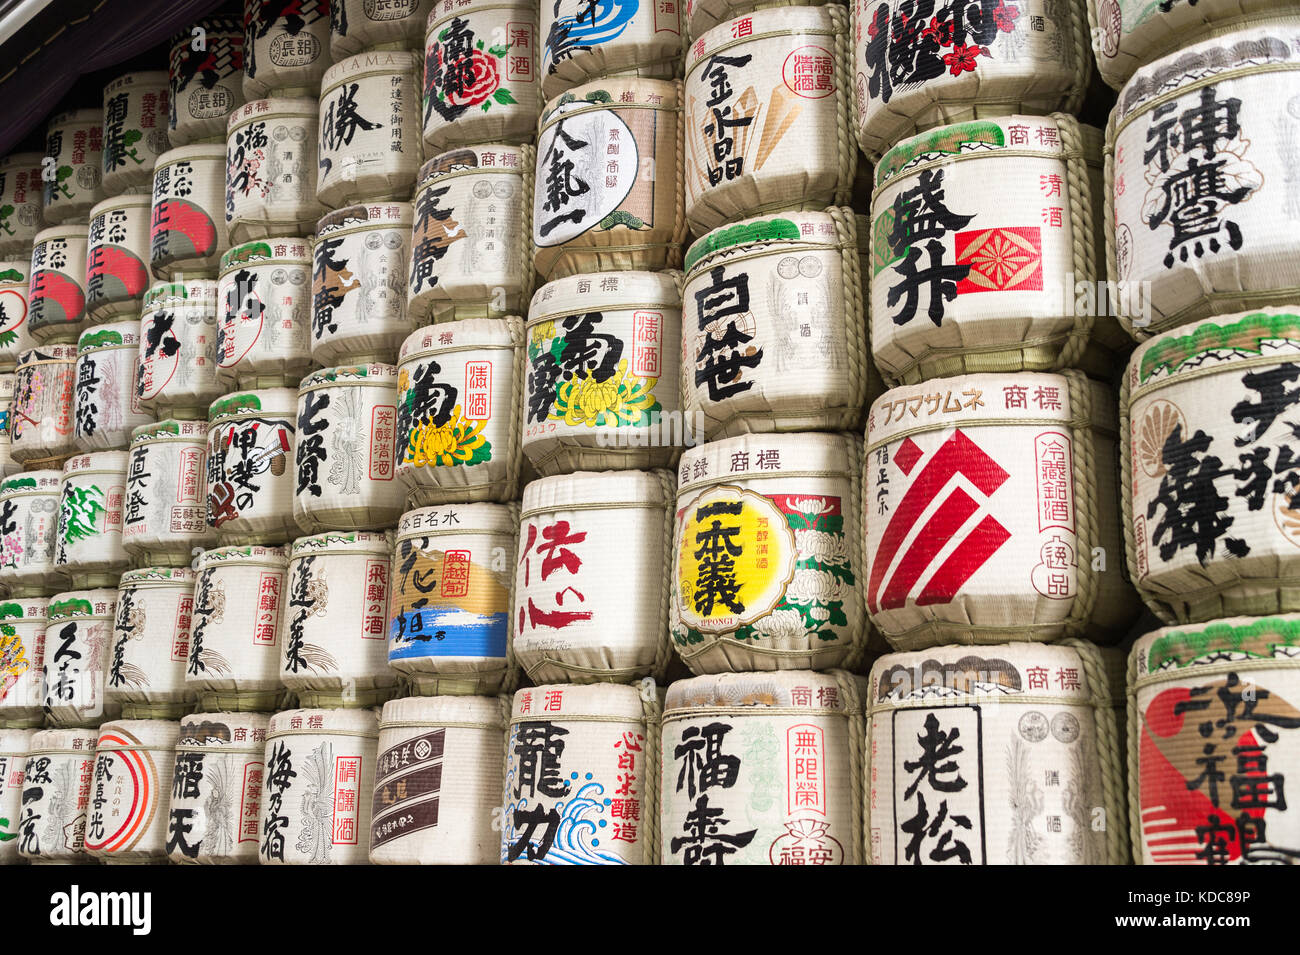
[1034, 734]
[271, 168]
[250, 467]
[188, 232]
[320, 774]
[767, 557]
[982, 566]
[15, 286]
[471, 252]
[75, 140]
[335, 620]
[21, 193]
[216, 798]
[605, 541]
[264, 313]
[780, 755]
[501, 101]
[57, 297]
[151, 643]
[357, 25]
[205, 85]
[92, 494]
[454, 638]
[804, 364]
[56, 791]
[117, 257]
[22, 647]
[617, 406]
[459, 406]
[127, 819]
[345, 458]
[135, 131]
[582, 776]
[237, 635]
[1181, 253]
[787, 142]
[14, 747]
[1212, 734]
[1212, 517]
[42, 410]
[1019, 231]
[700, 16]
[1031, 57]
[78, 637]
[165, 515]
[285, 49]
[633, 215]
[438, 783]
[31, 499]
[176, 374]
[580, 43]
[360, 257]
[106, 405]
[7, 382]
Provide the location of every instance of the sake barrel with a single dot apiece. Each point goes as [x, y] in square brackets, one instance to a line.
[592, 577]
[335, 645]
[21, 200]
[582, 768]
[78, 634]
[176, 370]
[136, 115]
[75, 141]
[1213, 737]
[358, 287]
[15, 283]
[459, 401]
[151, 643]
[1192, 218]
[92, 492]
[1128, 34]
[602, 384]
[286, 47]
[106, 406]
[42, 427]
[357, 25]
[774, 331]
[127, 819]
[14, 747]
[264, 306]
[56, 300]
[1023, 57]
[165, 520]
[369, 145]
[975, 564]
[22, 654]
[29, 526]
[1011, 223]
[641, 38]
[320, 777]
[471, 255]
[767, 557]
[8, 380]
[449, 627]
[700, 16]
[347, 423]
[438, 782]
[996, 755]
[1211, 485]
[762, 769]
[249, 453]
[56, 795]
[271, 169]
[205, 80]
[216, 802]
[234, 661]
[117, 257]
[480, 74]
[629, 217]
[188, 232]
[801, 155]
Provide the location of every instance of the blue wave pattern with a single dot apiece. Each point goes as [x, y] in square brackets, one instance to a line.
[435, 632]
[577, 837]
[594, 24]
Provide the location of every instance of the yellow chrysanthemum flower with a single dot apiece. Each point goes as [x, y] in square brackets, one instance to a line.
[585, 400]
[542, 332]
[453, 442]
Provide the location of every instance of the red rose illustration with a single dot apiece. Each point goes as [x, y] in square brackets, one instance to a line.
[479, 81]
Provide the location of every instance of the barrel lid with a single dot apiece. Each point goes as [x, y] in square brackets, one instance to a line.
[448, 518]
[116, 335]
[751, 457]
[375, 373]
[770, 233]
[986, 137]
[279, 107]
[246, 404]
[945, 675]
[93, 116]
[64, 351]
[768, 689]
[117, 735]
[592, 489]
[78, 229]
[196, 291]
[169, 428]
[616, 93]
[59, 740]
[291, 250]
[442, 709]
[471, 157]
[1221, 340]
[774, 21]
[555, 702]
[324, 722]
[145, 78]
[360, 542]
[97, 462]
[32, 482]
[223, 729]
[128, 201]
[16, 742]
[183, 576]
[1231, 640]
[369, 63]
[81, 603]
[373, 215]
[605, 290]
[24, 608]
[244, 553]
[191, 153]
[455, 336]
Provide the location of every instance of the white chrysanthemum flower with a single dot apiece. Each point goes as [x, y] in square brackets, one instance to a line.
[781, 623]
[810, 506]
[820, 546]
[815, 586]
[820, 612]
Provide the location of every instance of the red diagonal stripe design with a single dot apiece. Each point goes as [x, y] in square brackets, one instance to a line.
[969, 557]
[945, 522]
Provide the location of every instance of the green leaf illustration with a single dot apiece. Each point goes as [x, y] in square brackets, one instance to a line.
[478, 45]
[64, 172]
[498, 51]
[503, 97]
[621, 217]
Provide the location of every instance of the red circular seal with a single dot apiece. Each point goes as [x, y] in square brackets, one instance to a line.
[809, 71]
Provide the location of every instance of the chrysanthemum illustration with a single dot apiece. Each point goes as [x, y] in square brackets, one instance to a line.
[456, 441]
[622, 399]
